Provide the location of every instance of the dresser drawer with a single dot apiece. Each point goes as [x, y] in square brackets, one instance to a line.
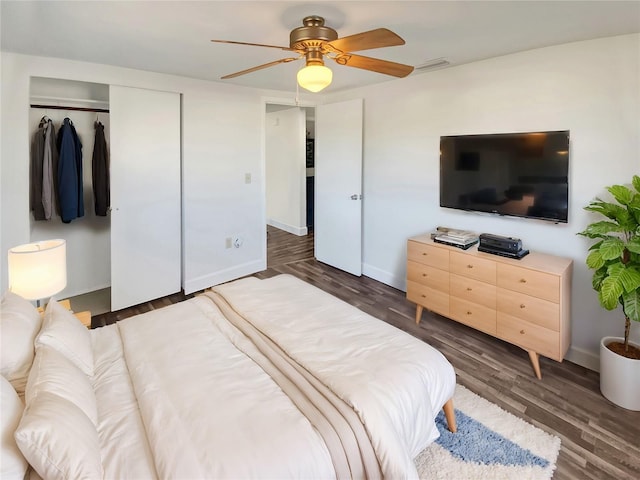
[474, 315]
[529, 336]
[473, 291]
[531, 282]
[473, 267]
[533, 309]
[429, 276]
[428, 297]
[428, 255]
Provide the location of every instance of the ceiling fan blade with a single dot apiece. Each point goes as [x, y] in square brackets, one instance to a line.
[375, 65]
[254, 44]
[259, 67]
[378, 38]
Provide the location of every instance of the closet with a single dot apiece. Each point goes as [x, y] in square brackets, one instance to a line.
[135, 250]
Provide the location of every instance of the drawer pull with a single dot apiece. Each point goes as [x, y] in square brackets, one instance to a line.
[469, 289]
[522, 305]
[469, 313]
[424, 274]
[423, 296]
[522, 332]
[523, 280]
[469, 266]
[424, 253]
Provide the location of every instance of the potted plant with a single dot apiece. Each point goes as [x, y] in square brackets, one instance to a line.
[615, 257]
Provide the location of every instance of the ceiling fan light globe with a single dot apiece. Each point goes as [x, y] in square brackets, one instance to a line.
[314, 77]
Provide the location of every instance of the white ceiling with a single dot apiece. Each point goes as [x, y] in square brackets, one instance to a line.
[173, 36]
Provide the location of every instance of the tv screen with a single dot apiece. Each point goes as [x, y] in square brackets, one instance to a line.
[518, 174]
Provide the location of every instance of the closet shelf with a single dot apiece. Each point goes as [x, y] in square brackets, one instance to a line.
[59, 103]
[80, 109]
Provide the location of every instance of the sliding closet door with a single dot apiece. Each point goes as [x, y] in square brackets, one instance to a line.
[145, 195]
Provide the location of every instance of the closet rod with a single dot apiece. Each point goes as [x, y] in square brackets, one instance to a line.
[80, 109]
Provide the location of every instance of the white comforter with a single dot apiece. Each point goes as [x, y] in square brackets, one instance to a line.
[177, 399]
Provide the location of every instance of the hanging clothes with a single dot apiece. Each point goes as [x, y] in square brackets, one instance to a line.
[70, 188]
[35, 172]
[49, 170]
[100, 172]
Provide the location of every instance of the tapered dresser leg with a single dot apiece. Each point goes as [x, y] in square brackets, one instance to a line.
[535, 363]
[418, 314]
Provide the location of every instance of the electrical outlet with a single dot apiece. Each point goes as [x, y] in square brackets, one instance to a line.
[227, 242]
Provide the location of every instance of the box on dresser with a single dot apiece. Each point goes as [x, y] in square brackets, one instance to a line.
[523, 301]
[497, 242]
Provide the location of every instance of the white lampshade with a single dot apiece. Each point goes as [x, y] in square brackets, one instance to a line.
[314, 77]
[38, 270]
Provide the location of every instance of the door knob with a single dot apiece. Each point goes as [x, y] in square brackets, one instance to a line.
[354, 197]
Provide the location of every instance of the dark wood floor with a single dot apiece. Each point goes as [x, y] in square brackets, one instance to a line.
[599, 440]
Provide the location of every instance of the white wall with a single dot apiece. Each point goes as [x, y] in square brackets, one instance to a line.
[222, 144]
[286, 170]
[222, 134]
[590, 88]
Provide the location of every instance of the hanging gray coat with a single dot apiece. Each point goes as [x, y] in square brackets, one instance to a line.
[35, 172]
[49, 170]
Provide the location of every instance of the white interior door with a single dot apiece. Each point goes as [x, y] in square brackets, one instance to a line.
[145, 195]
[338, 185]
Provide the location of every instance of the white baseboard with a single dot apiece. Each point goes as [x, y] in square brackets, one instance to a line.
[227, 275]
[385, 277]
[584, 358]
[299, 231]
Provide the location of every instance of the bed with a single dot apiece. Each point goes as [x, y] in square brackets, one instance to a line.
[256, 378]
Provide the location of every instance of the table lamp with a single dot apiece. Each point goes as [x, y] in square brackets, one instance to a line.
[38, 270]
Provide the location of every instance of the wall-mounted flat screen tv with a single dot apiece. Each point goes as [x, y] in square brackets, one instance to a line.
[517, 174]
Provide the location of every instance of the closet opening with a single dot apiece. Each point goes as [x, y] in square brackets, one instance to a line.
[86, 105]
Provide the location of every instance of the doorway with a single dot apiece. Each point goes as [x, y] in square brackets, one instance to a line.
[337, 178]
[289, 173]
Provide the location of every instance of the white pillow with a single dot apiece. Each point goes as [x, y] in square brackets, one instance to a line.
[58, 440]
[62, 331]
[20, 322]
[13, 466]
[52, 372]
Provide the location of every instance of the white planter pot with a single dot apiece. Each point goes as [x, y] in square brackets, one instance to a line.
[619, 376]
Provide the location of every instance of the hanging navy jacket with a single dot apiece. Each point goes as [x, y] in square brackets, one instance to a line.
[70, 188]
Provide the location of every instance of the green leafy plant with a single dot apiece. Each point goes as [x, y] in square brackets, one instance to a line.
[615, 256]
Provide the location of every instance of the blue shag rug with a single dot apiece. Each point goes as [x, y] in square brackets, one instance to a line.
[490, 444]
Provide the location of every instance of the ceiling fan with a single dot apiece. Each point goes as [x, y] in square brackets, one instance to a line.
[314, 41]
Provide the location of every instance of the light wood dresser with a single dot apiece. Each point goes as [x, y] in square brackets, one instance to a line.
[525, 302]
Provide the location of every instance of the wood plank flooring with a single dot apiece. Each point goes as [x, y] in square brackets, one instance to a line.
[599, 439]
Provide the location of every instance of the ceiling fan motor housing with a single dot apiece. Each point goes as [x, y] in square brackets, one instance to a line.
[312, 36]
